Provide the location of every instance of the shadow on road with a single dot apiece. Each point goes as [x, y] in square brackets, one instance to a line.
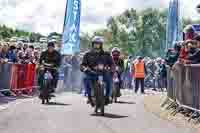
[107, 115]
[5, 100]
[123, 102]
[58, 104]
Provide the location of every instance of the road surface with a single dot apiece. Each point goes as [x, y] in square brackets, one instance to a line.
[73, 115]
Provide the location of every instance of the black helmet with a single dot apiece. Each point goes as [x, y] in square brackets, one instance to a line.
[51, 44]
[97, 40]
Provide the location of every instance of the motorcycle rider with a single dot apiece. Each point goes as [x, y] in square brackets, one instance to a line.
[118, 62]
[90, 62]
[53, 57]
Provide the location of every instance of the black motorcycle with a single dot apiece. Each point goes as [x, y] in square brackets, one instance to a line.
[47, 83]
[98, 91]
[116, 84]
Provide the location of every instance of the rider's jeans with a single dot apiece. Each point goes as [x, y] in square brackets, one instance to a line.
[89, 78]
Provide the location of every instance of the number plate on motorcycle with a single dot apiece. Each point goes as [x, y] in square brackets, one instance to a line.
[101, 78]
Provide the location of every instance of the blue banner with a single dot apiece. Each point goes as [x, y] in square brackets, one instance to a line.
[196, 27]
[173, 23]
[71, 38]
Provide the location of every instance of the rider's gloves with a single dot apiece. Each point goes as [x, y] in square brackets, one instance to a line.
[85, 69]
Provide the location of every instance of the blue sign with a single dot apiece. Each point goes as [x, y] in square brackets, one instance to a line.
[196, 27]
[71, 38]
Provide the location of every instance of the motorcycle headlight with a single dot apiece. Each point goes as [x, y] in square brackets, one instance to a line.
[100, 66]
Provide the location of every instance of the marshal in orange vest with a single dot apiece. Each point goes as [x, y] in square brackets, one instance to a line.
[139, 69]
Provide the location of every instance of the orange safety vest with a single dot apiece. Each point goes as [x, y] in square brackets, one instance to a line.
[139, 71]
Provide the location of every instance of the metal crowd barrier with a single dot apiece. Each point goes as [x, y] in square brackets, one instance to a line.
[18, 78]
[184, 85]
[171, 84]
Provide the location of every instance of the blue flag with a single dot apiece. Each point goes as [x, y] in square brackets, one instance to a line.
[173, 23]
[71, 38]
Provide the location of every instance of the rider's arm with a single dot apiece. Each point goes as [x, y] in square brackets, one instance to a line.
[84, 63]
[59, 59]
[42, 57]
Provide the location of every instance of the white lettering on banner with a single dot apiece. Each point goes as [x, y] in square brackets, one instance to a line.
[73, 28]
[76, 4]
[73, 37]
[75, 13]
[75, 9]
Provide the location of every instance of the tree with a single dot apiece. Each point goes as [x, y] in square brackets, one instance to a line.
[85, 41]
[138, 32]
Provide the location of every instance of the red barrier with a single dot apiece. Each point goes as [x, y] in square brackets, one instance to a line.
[22, 78]
[13, 80]
[30, 76]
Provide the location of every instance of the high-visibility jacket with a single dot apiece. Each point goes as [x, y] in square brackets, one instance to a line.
[139, 69]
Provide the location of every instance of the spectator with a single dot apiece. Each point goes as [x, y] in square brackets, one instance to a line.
[163, 73]
[184, 52]
[36, 56]
[19, 46]
[12, 54]
[138, 70]
[189, 32]
[25, 47]
[0, 48]
[195, 56]
[173, 54]
[4, 54]
[28, 57]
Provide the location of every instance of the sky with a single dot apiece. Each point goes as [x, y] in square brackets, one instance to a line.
[46, 16]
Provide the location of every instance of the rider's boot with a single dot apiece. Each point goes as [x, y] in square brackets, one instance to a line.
[107, 100]
[90, 101]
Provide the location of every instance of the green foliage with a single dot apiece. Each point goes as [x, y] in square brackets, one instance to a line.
[6, 32]
[138, 33]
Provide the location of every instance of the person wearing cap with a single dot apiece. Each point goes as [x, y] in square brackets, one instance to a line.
[53, 57]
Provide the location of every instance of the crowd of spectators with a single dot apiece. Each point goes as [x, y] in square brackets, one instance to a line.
[19, 53]
[185, 52]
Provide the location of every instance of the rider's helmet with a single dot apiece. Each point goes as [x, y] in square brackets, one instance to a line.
[115, 53]
[51, 44]
[97, 42]
[51, 47]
